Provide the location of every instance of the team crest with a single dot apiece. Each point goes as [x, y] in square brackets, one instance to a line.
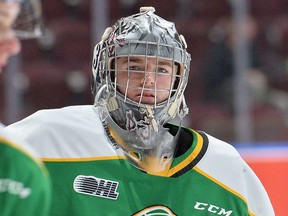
[155, 210]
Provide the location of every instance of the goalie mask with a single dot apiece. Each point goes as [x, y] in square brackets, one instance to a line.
[28, 23]
[140, 71]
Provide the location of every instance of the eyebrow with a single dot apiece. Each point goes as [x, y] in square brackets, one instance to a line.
[141, 60]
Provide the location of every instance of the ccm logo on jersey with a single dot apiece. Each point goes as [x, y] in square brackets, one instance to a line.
[93, 186]
[212, 208]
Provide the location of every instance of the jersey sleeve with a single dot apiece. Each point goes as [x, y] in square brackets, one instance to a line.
[258, 200]
[38, 130]
[25, 187]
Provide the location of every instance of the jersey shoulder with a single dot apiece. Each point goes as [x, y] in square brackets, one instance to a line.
[69, 132]
[219, 156]
[224, 165]
[25, 182]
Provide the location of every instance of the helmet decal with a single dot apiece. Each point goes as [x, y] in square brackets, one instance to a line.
[132, 123]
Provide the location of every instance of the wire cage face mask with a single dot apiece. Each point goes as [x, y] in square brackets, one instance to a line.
[140, 70]
[29, 23]
[146, 79]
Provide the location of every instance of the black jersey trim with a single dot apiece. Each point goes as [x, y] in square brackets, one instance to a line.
[197, 158]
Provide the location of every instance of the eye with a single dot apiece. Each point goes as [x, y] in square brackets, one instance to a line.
[134, 68]
[163, 70]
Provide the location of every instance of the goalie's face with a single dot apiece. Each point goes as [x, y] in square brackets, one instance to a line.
[147, 80]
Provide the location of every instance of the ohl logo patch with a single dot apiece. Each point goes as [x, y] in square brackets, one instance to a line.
[155, 210]
[93, 186]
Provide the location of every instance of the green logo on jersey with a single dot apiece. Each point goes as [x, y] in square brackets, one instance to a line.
[155, 210]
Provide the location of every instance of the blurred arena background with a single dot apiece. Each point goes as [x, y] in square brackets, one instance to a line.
[55, 71]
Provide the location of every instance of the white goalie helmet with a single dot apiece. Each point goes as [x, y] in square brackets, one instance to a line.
[135, 123]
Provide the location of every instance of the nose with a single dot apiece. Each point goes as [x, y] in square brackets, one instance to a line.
[149, 76]
[15, 46]
[148, 79]
[10, 46]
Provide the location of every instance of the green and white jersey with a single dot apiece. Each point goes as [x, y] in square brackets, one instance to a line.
[25, 187]
[92, 177]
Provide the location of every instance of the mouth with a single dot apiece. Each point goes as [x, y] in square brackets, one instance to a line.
[146, 94]
[146, 97]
